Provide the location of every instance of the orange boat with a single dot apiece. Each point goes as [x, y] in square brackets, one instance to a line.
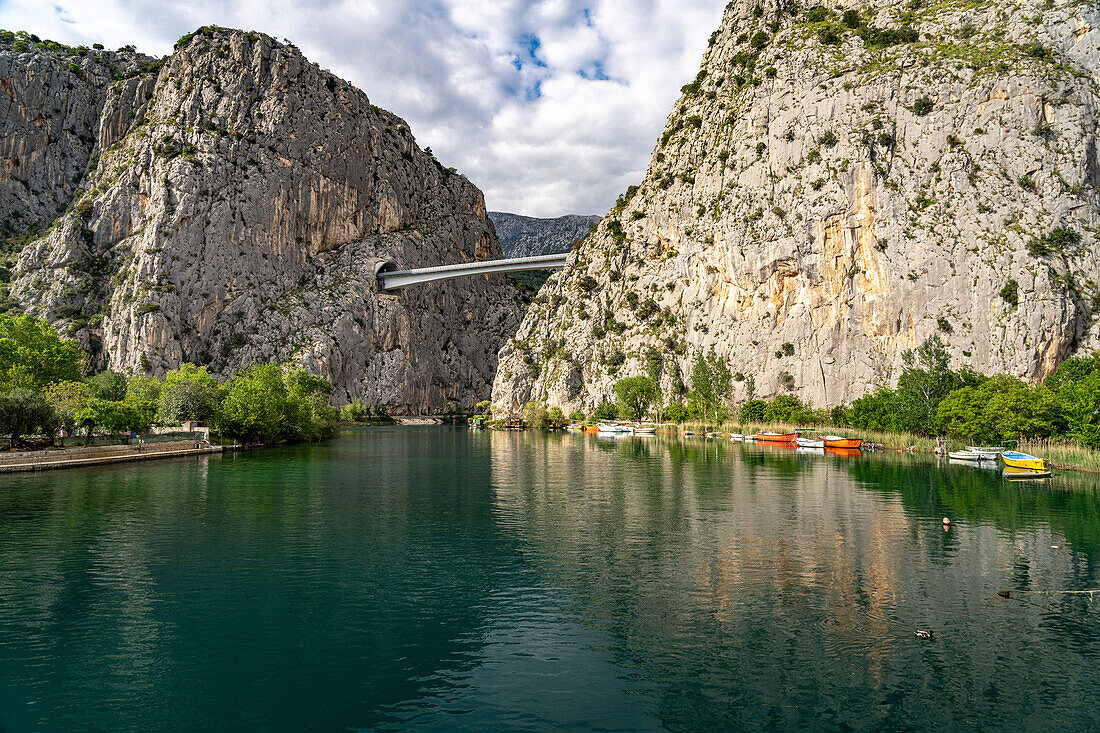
[591, 428]
[835, 441]
[776, 437]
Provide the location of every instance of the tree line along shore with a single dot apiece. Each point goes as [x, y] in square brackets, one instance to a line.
[1060, 415]
[44, 392]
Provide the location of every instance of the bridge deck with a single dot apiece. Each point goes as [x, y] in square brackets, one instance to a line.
[395, 280]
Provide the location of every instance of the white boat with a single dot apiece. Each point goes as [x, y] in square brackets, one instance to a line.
[987, 453]
[645, 430]
[712, 435]
[689, 433]
[809, 443]
[737, 438]
[966, 455]
[615, 427]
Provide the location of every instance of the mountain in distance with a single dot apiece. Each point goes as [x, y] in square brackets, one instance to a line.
[528, 236]
[229, 204]
[836, 185]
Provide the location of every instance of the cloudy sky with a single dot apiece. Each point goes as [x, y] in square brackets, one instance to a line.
[550, 106]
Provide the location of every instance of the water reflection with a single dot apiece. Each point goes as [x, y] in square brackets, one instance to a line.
[451, 579]
[745, 579]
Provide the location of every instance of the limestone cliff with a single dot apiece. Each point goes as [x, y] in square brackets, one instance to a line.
[228, 205]
[836, 185]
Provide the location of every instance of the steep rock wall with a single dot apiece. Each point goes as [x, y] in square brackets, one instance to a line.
[833, 189]
[238, 201]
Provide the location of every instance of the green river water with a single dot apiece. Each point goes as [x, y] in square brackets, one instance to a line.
[457, 580]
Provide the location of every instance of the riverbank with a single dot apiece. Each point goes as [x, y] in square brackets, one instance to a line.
[1064, 455]
[48, 460]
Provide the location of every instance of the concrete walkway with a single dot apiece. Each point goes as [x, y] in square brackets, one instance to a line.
[50, 460]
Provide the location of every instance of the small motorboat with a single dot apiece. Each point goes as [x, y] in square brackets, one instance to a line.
[689, 433]
[776, 437]
[1016, 459]
[591, 428]
[614, 427]
[835, 441]
[712, 435]
[966, 455]
[809, 442]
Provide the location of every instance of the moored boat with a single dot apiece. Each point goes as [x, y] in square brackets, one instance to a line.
[1016, 459]
[645, 430]
[776, 437]
[987, 453]
[689, 433]
[736, 437]
[809, 442]
[835, 441]
[591, 428]
[965, 455]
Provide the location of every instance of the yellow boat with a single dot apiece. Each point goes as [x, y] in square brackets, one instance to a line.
[1015, 459]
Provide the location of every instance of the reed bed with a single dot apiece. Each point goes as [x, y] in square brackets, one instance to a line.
[1065, 454]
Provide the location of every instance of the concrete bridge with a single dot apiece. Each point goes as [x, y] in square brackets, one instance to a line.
[391, 279]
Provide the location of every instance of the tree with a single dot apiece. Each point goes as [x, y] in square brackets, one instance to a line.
[784, 408]
[68, 400]
[753, 411]
[875, 411]
[108, 385]
[253, 405]
[710, 383]
[190, 393]
[1079, 402]
[143, 389]
[925, 381]
[23, 412]
[276, 402]
[536, 415]
[606, 411]
[634, 396]
[1000, 408]
[32, 355]
[116, 416]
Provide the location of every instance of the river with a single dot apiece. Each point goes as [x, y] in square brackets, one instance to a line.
[452, 579]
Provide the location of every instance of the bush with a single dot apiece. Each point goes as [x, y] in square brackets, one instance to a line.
[819, 14]
[753, 411]
[923, 106]
[1010, 292]
[759, 40]
[606, 411]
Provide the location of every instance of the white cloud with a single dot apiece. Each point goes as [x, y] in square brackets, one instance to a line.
[550, 106]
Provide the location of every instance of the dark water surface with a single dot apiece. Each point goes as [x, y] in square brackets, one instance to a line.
[457, 580]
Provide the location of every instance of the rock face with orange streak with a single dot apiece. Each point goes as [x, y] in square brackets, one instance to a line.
[228, 207]
[833, 189]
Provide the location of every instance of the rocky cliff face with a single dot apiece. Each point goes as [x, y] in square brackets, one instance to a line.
[229, 205]
[528, 236]
[836, 185]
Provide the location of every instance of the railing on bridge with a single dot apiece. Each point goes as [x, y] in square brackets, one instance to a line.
[390, 279]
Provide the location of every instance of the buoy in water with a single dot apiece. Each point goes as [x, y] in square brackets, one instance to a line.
[946, 521]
